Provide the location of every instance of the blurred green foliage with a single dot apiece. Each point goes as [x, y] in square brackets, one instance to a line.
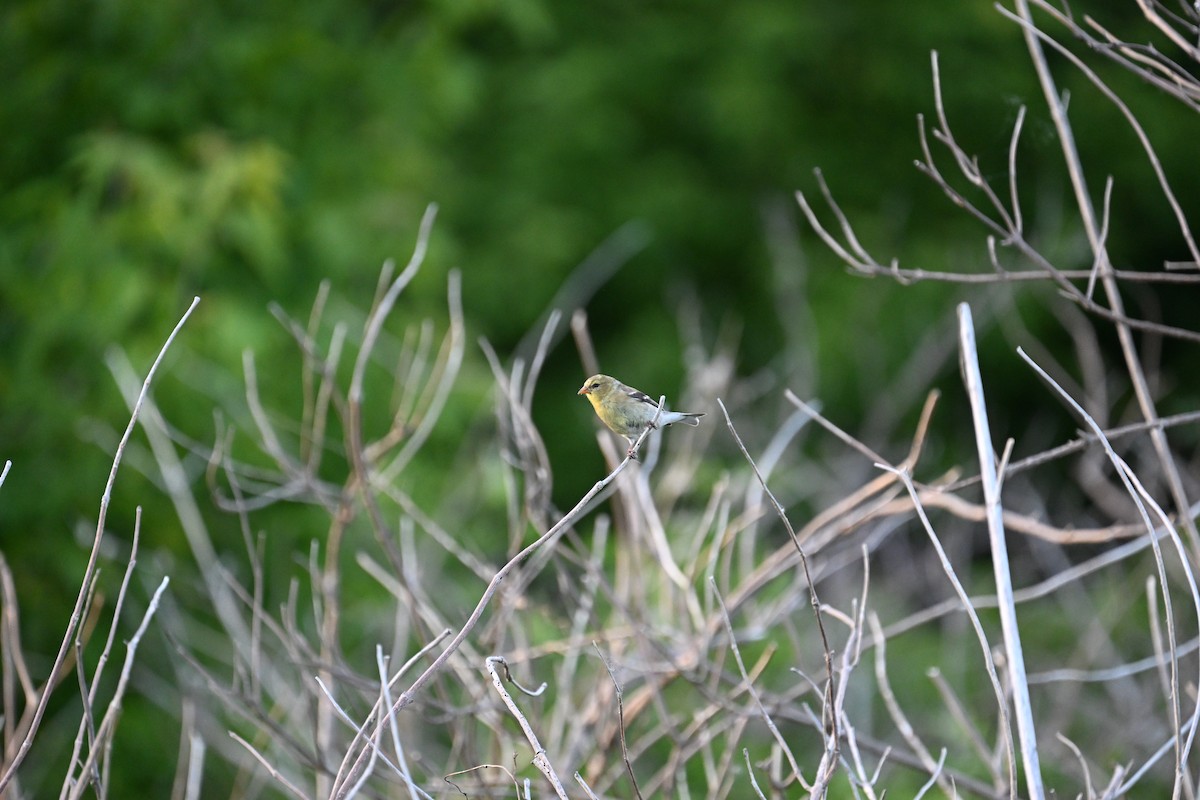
[244, 152]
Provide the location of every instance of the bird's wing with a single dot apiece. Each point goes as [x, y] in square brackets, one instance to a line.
[641, 397]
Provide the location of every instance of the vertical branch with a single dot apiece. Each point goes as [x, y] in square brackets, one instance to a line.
[1026, 731]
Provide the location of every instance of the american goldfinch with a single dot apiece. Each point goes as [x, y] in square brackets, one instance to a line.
[626, 411]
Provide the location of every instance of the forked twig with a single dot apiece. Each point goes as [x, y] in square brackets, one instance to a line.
[540, 759]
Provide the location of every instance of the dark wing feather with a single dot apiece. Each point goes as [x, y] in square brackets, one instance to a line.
[641, 397]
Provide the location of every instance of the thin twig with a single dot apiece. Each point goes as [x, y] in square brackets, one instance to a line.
[89, 699]
[980, 635]
[269, 767]
[832, 740]
[903, 726]
[1143, 499]
[90, 569]
[762, 709]
[620, 720]
[109, 722]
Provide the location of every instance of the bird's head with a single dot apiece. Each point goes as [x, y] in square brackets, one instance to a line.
[597, 387]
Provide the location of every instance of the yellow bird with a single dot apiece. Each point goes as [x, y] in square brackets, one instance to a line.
[626, 411]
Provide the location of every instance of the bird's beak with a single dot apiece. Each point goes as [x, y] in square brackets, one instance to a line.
[583, 389]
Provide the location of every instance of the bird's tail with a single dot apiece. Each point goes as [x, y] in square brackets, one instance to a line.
[671, 417]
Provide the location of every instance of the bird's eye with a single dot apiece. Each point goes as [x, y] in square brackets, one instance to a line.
[596, 385]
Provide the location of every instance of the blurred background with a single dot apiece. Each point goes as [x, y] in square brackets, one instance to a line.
[638, 161]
